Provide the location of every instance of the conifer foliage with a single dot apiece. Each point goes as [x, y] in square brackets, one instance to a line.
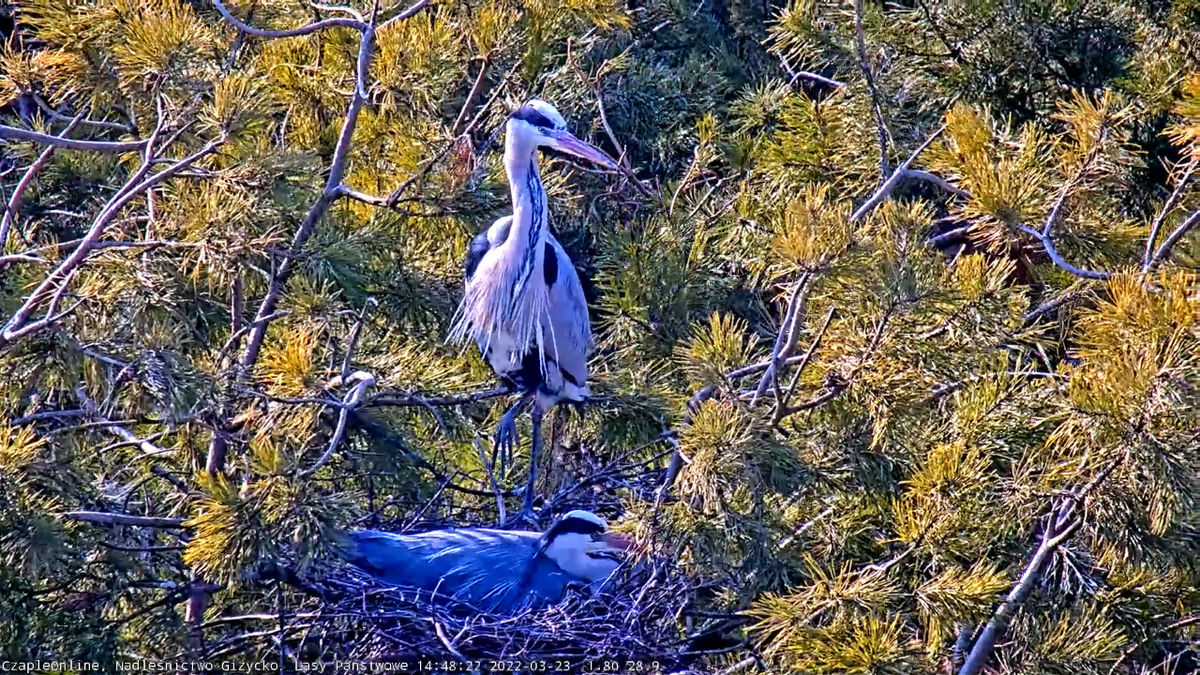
[896, 309]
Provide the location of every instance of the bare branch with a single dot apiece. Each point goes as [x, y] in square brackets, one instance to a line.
[291, 32]
[333, 189]
[16, 328]
[102, 518]
[18, 134]
[14, 200]
[890, 184]
[860, 46]
[1060, 525]
[1172, 239]
[1057, 258]
[1166, 209]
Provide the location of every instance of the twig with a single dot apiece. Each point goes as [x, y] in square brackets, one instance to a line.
[476, 90]
[802, 529]
[412, 400]
[487, 466]
[355, 333]
[59, 117]
[361, 381]
[1166, 209]
[782, 403]
[890, 184]
[1182, 623]
[1165, 249]
[785, 340]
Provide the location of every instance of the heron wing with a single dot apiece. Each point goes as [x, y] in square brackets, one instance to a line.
[569, 342]
[492, 570]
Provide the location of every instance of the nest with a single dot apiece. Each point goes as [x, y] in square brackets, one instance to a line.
[648, 624]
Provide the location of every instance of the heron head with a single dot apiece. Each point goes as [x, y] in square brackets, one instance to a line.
[539, 124]
[581, 545]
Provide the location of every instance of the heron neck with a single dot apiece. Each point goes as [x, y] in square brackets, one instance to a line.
[528, 200]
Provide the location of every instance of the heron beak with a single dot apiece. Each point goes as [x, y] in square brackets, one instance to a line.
[565, 142]
[617, 541]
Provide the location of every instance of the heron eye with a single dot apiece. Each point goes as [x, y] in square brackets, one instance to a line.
[596, 536]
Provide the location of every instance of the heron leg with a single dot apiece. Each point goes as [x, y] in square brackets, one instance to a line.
[506, 436]
[535, 450]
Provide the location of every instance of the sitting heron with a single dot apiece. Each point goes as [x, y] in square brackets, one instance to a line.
[497, 571]
[523, 304]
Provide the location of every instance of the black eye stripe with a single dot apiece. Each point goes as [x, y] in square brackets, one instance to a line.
[574, 526]
[531, 115]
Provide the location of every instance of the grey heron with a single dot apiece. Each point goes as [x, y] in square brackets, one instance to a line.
[497, 571]
[523, 304]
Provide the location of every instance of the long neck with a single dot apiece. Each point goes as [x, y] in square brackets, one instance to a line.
[529, 226]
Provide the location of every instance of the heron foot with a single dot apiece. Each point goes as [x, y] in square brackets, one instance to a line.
[505, 442]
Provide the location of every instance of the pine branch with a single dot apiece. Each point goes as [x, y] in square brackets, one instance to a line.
[894, 180]
[1060, 525]
[1044, 238]
[1166, 209]
[17, 134]
[14, 200]
[1172, 239]
[103, 518]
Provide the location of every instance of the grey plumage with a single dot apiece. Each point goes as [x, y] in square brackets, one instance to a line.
[523, 304]
[561, 372]
[491, 570]
[495, 571]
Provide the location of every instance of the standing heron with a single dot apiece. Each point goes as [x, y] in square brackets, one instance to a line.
[523, 305]
[497, 571]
